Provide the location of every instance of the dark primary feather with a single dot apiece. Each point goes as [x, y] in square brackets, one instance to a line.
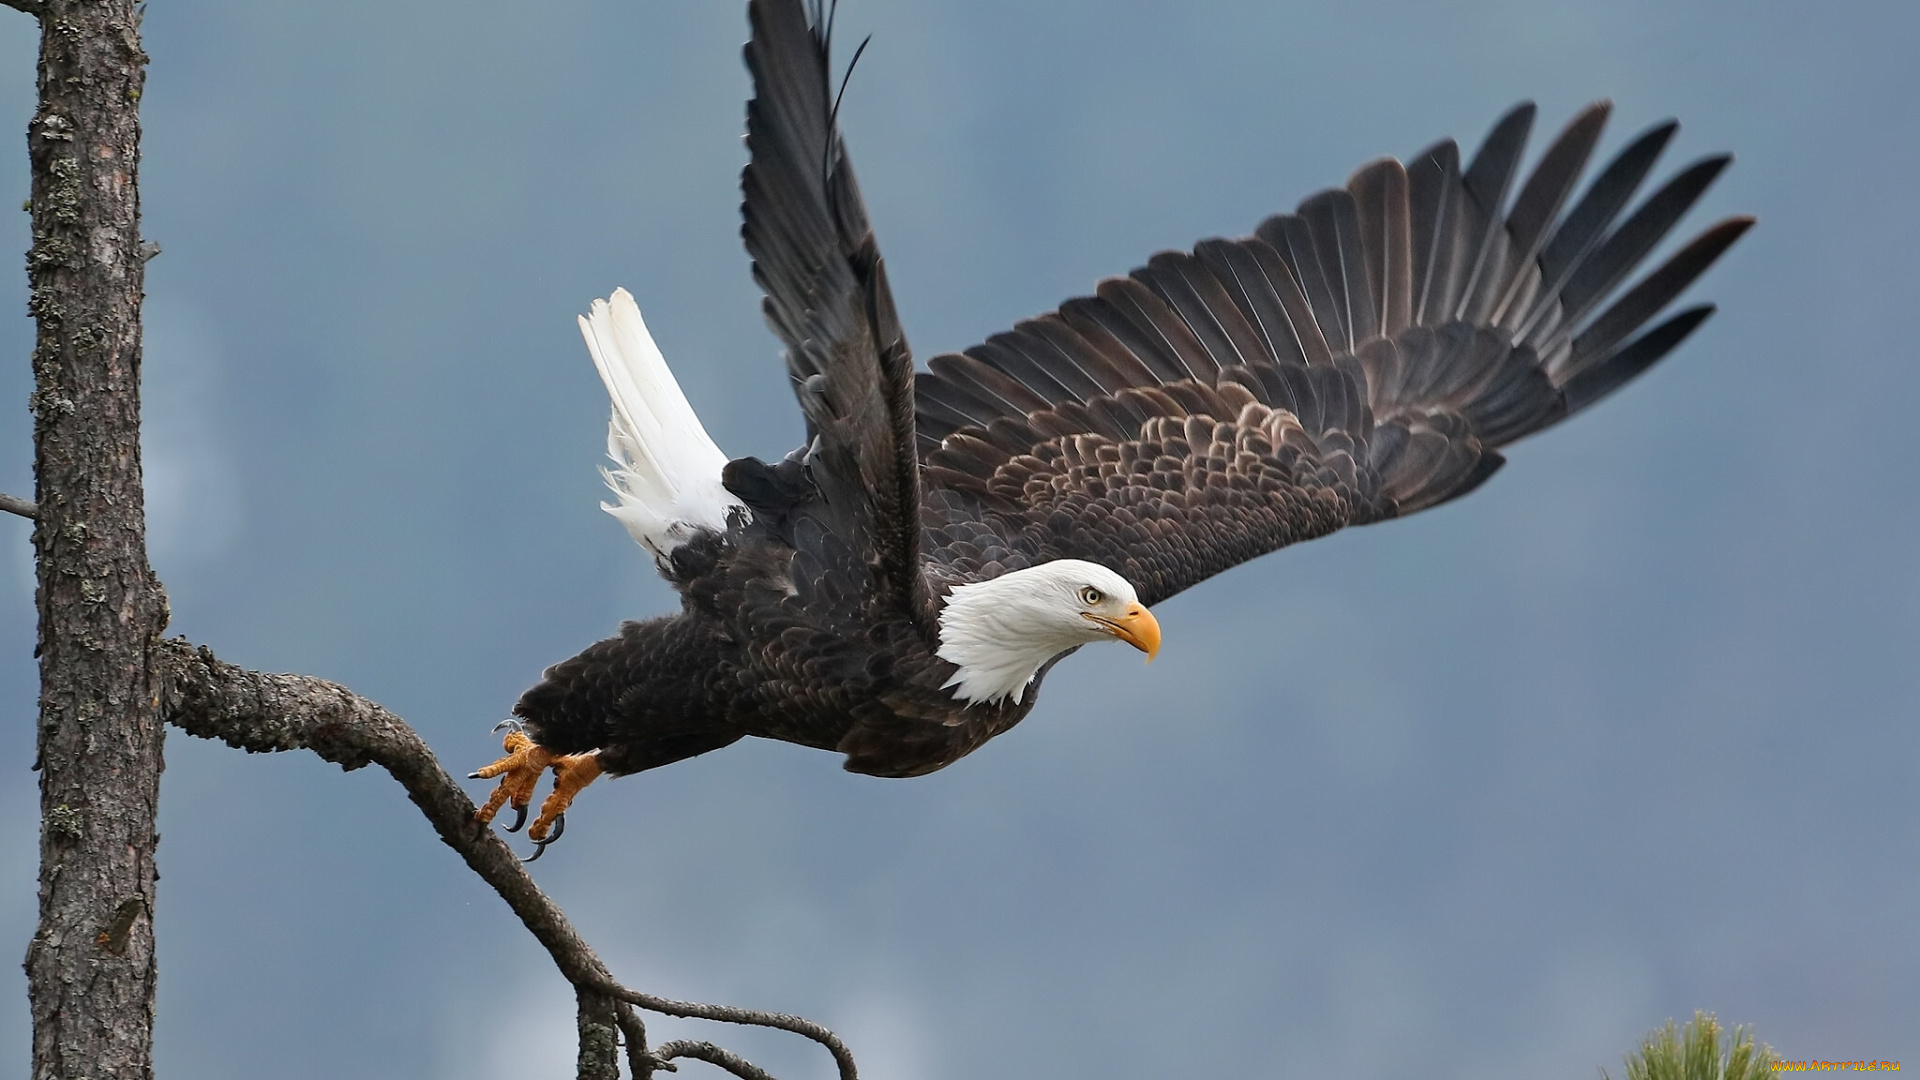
[827, 297]
[1360, 359]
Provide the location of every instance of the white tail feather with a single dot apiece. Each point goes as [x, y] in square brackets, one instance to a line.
[666, 472]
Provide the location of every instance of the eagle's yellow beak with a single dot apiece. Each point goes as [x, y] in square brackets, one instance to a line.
[1137, 628]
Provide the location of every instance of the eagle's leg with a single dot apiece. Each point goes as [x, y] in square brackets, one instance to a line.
[519, 771]
[571, 775]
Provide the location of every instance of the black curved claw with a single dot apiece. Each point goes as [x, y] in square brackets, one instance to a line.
[519, 818]
[540, 846]
[510, 724]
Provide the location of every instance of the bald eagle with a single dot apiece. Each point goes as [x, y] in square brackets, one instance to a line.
[897, 588]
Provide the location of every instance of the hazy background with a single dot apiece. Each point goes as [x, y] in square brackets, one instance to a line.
[1486, 793]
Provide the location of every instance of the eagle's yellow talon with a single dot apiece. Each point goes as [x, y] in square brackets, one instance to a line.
[571, 774]
[519, 771]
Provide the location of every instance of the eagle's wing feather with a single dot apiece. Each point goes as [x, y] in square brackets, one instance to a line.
[827, 298]
[1360, 359]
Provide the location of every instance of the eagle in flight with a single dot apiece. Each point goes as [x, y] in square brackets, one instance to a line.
[896, 588]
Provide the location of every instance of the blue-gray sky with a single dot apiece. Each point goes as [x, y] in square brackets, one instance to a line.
[1488, 792]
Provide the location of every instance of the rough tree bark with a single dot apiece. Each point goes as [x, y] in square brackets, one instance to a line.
[109, 681]
[90, 967]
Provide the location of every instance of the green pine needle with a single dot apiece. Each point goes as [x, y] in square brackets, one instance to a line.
[1695, 1053]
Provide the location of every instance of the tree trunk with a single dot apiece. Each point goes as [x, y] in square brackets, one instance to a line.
[90, 967]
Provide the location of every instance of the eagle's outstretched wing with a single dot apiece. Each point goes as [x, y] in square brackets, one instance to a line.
[827, 298]
[1359, 359]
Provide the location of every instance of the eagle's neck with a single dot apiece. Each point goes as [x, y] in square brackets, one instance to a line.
[999, 633]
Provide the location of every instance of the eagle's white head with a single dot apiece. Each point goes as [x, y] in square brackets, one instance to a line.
[999, 632]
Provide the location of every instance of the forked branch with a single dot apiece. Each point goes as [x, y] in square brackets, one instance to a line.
[713, 1055]
[263, 713]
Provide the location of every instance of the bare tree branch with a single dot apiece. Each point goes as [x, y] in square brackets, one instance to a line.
[13, 504]
[729, 1014]
[263, 713]
[639, 1058]
[713, 1055]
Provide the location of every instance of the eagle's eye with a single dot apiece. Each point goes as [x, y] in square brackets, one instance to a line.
[1090, 596]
